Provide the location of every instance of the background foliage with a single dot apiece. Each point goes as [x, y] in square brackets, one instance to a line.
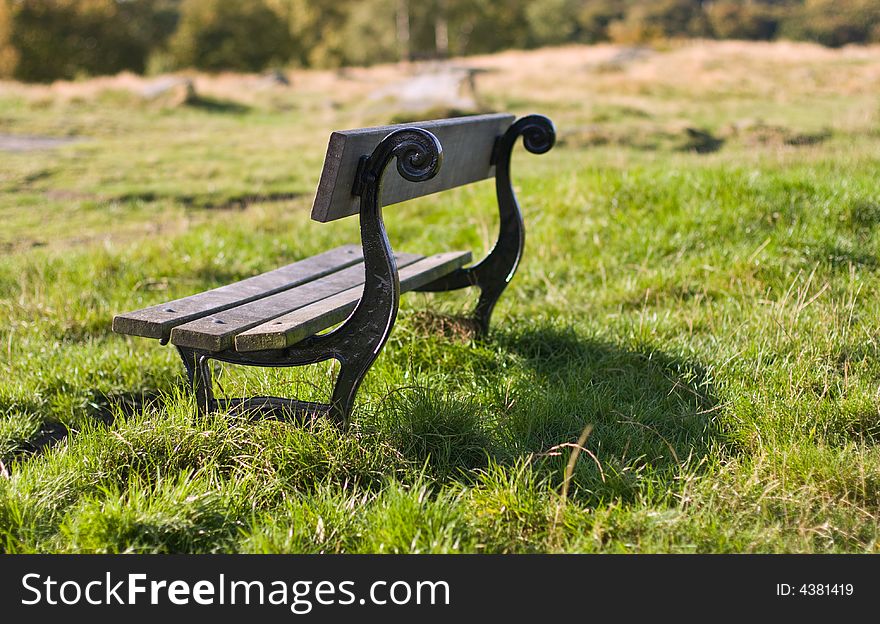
[44, 41]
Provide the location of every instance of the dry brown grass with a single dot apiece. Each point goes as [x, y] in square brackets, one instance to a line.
[568, 73]
[458, 328]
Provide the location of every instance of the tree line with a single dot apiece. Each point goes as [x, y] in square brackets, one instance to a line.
[44, 40]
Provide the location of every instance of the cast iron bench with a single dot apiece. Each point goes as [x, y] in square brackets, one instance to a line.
[275, 319]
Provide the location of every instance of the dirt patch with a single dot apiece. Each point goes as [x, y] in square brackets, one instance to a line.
[756, 132]
[587, 136]
[454, 327]
[620, 60]
[433, 88]
[32, 143]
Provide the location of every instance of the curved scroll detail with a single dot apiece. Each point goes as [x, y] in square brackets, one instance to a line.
[357, 342]
[418, 152]
[538, 133]
[494, 272]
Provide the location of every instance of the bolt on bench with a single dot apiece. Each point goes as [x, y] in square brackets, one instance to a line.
[274, 319]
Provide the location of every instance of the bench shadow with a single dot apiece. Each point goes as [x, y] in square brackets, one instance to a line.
[536, 389]
[103, 410]
[652, 414]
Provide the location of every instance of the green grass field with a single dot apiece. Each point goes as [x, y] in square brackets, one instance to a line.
[708, 302]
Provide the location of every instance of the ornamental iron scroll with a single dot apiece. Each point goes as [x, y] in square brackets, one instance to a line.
[494, 272]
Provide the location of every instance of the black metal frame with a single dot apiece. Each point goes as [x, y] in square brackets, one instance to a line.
[357, 342]
[494, 272]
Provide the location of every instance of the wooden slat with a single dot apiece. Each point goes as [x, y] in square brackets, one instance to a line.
[289, 329]
[467, 150]
[216, 331]
[158, 320]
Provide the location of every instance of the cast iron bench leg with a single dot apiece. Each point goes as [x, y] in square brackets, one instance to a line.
[198, 373]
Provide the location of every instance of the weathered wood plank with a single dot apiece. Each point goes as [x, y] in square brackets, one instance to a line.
[467, 150]
[157, 321]
[290, 328]
[217, 331]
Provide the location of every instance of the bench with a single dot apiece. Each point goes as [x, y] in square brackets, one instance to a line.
[276, 318]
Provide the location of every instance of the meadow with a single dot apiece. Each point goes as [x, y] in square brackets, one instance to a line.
[699, 295]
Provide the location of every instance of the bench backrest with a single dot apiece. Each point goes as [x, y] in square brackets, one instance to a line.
[467, 153]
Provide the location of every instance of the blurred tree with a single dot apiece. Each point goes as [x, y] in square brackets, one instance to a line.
[834, 23]
[216, 35]
[64, 38]
[482, 26]
[43, 40]
[8, 53]
[160, 20]
[370, 33]
[594, 16]
[649, 20]
[743, 19]
[315, 30]
[552, 22]
[401, 19]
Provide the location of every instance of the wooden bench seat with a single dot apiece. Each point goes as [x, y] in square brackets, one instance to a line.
[289, 329]
[279, 318]
[157, 321]
[279, 308]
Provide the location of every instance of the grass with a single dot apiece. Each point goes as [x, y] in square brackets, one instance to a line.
[711, 315]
